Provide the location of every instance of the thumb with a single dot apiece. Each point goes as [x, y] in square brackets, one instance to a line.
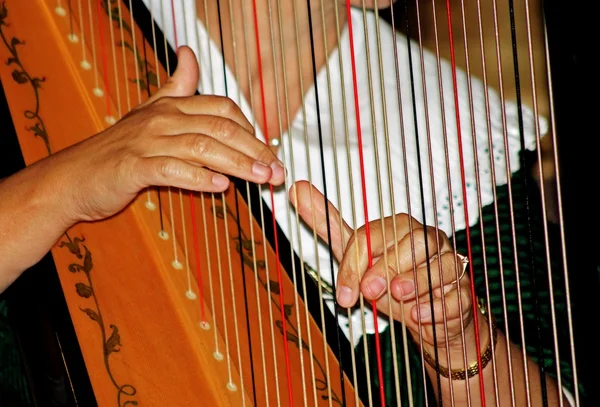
[310, 204]
[184, 81]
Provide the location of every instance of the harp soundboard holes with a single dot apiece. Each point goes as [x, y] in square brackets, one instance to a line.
[98, 92]
[73, 37]
[151, 206]
[110, 120]
[177, 264]
[86, 65]
[191, 295]
[205, 325]
[163, 235]
[218, 355]
[231, 387]
[60, 11]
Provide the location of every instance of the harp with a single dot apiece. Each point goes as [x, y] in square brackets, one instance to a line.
[206, 299]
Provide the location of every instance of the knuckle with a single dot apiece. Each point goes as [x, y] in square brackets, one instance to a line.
[166, 168]
[223, 128]
[227, 106]
[351, 275]
[199, 146]
[197, 177]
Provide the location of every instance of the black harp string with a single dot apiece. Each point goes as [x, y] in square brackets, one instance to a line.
[496, 216]
[510, 202]
[378, 181]
[149, 94]
[422, 196]
[407, 182]
[237, 205]
[543, 203]
[433, 191]
[407, 190]
[289, 217]
[478, 187]
[262, 219]
[71, 32]
[353, 210]
[539, 348]
[326, 201]
[226, 228]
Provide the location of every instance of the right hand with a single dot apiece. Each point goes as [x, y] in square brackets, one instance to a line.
[173, 139]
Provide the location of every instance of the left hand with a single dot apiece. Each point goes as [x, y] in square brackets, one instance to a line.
[355, 276]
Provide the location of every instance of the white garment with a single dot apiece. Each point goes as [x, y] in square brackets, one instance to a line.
[191, 32]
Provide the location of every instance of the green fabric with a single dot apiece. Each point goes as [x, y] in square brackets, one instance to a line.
[492, 260]
[13, 385]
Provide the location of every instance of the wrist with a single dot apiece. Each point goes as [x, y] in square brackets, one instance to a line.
[464, 349]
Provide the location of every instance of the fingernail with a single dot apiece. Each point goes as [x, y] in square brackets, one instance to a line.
[425, 312]
[344, 296]
[260, 169]
[407, 287]
[220, 181]
[376, 287]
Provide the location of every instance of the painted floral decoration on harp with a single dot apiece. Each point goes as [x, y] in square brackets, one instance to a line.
[23, 77]
[110, 335]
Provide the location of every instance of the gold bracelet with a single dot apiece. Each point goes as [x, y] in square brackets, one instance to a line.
[473, 369]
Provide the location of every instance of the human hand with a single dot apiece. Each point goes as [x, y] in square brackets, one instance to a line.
[173, 139]
[411, 291]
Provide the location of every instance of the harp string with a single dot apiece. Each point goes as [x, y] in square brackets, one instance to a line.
[123, 55]
[315, 238]
[289, 217]
[561, 224]
[293, 174]
[72, 37]
[544, 223]
[114, 60]
[391, 300]
[256, 285]
[149, 204]
[276, 240]
[337, 177]
[434, 198]
[104, 59]
[510, 202]
[353, 211]
[495, 206]
[379, 182]
[327, 215]
[237, 341]
[218, 355]
[84, 62]
[97, 90]
[364, 196]
[408, 201]
[421, 190]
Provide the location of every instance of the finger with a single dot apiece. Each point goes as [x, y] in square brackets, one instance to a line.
[174, 172]
[213, 105]
[229, 133]
[206, 151]
[427, 278]
[310, 204]
[449, 307]
[184, 81]
[382, 236]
